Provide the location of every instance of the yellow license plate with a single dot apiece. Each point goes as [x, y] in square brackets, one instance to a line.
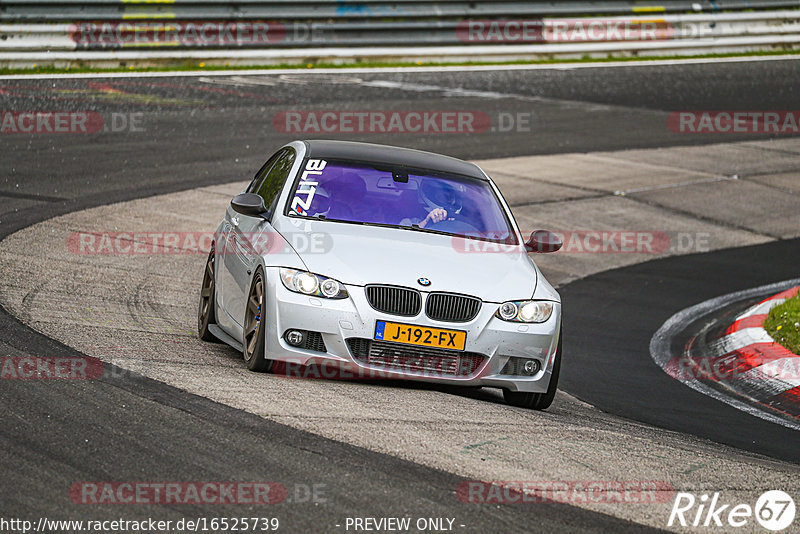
[420, 335]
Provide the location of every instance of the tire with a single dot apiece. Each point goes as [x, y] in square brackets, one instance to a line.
[538, 401]
[254, 331]
[206, 314]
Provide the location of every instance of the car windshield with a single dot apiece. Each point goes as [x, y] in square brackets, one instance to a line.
[405, 198]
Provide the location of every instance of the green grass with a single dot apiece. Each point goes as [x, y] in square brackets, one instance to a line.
[783, 324]
[199, 65]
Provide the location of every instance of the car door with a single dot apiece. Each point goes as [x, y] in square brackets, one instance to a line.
[249, 236]
[225, 247]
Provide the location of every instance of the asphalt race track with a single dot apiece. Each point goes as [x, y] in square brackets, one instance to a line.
[195, 132]
[130, 426]
[615, 373]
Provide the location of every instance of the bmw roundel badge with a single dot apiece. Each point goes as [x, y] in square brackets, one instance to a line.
[424, 282]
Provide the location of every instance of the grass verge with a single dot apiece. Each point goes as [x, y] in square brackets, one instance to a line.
[200, 65]
[783, 324]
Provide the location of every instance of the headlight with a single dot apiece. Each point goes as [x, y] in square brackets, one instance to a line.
[331, 288]
[525, 311]
[508, 311]
[312, 284]
[305, 283]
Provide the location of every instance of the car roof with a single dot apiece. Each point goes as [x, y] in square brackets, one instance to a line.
[391, 155]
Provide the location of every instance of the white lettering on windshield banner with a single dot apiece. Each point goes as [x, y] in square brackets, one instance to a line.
[307, 186]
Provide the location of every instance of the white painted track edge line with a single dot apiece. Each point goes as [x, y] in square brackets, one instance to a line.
[395, 70]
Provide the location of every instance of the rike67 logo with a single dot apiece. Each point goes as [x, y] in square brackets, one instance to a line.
[774, 510]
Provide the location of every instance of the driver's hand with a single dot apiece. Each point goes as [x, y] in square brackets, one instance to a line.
[435, 216]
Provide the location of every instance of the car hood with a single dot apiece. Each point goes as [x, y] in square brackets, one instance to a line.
[361, 255]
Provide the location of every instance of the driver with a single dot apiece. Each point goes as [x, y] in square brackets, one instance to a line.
[436, 215]
[440, 201]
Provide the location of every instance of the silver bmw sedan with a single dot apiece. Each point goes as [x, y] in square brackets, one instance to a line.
[354, 260]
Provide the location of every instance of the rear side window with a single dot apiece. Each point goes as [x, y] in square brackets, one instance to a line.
[270, 180]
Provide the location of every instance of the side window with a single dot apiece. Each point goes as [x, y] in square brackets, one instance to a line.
[262, 172]
[270, 180]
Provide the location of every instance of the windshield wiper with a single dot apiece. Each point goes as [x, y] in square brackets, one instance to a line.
[326, 218]
[418, 228]
[413, 227]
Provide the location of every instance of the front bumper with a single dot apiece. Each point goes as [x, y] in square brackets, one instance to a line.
[354, 318]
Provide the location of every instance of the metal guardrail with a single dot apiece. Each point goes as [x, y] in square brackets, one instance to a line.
[308, 31]
[209, 35]
[93, 10]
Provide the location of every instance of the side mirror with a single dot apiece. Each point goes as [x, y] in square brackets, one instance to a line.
[249, 204]
[544, 241]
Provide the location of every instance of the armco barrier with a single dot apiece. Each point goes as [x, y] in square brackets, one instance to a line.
[109, 33]
[75, 10]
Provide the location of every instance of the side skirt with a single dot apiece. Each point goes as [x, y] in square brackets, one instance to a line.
[222, 336]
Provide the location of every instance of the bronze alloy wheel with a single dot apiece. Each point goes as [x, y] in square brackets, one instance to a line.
[253, 342]
[205, 310]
